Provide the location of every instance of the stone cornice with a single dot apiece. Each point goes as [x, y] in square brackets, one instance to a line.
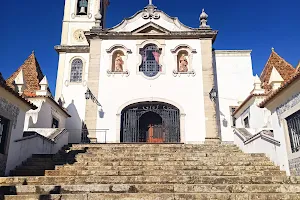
[196, 34]
[232, 52]
[72, 49]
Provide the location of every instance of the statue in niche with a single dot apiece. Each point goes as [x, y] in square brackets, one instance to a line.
[119, 63]
[183, 63]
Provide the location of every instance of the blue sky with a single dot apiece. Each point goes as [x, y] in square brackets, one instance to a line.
[243, 24]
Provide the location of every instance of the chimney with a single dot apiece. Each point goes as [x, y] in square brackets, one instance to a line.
[275, 79]
[257, 86]
[44, 88]
[20, 82]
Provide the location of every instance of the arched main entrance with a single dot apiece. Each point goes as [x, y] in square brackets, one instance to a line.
[150, 122]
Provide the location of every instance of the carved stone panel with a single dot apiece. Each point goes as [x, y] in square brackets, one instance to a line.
[294, 100]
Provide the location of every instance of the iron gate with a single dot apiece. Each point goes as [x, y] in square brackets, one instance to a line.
[293, 123]
[166, 132]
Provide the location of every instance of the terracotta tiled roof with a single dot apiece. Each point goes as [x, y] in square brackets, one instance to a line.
[9, 89]
[285, 69]
[32, 76]
[279, 90]
[246, 100]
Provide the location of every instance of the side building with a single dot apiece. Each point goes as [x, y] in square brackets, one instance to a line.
[43, 128]
[268, 120]
[13, 108]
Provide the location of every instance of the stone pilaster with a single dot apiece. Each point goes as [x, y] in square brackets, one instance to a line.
[212, 135]
[60, 75]
[91, 110]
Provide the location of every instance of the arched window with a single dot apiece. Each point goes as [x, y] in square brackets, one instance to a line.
[76, 70]
[150, 60]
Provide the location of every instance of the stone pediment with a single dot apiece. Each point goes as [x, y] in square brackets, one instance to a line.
[150, 15]
[150, 28]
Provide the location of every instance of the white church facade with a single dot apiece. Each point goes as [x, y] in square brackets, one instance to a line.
[151, 78]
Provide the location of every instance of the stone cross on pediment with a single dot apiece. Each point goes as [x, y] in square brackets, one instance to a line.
[150, 2]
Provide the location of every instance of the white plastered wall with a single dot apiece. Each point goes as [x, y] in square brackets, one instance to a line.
[186, 91]
[282, 108]
[235, 81]
[43, 116]
[74, 95]
[258, 117]
[15, 132]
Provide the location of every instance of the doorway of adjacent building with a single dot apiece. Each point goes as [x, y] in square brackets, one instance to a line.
[150, 122]
[4, 128]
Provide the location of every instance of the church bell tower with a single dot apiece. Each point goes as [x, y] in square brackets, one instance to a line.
[79, 16]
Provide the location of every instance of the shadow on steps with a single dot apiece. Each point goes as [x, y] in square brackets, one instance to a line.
[12, 190]
[39, 163]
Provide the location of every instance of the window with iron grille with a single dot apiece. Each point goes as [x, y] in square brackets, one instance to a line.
[76, 70]
[293, 123]
[150, 60]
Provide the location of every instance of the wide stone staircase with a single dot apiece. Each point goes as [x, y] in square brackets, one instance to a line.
[149, 172]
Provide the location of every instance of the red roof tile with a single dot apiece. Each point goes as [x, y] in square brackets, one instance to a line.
[32, 76]
[279, 90]
[285, 70]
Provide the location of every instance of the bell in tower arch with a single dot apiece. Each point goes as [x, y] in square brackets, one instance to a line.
[83, 4]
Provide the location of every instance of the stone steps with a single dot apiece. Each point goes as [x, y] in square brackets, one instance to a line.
[159, 196]
[170, 163]
[178, 154]
[163, 179]
[35, 167]
[158, 188]
[155, 148]
[151, 145]
[148, 155]
[150, 172]
[176, 167]
[132, 158]
[162, 159]
[26, 172]
[158, 150]
[157, 173]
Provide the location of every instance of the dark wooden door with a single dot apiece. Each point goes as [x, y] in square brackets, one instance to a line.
[155, 134]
